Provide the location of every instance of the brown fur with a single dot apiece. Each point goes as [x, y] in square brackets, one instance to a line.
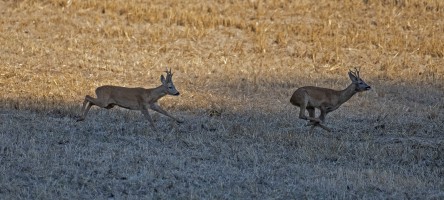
[326, 100]
[141, 99]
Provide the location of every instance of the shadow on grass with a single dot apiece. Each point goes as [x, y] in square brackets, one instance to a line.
[248, 100]
[242, 148]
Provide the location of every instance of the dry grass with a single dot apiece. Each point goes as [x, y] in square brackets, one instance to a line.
[236, 65]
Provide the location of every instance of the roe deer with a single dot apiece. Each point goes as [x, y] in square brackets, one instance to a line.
[324, 99]
[132, 98]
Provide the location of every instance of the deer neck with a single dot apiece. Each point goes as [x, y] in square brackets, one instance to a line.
[347, 93]
[158, 93]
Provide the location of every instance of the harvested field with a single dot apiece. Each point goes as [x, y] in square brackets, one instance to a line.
[236, 65]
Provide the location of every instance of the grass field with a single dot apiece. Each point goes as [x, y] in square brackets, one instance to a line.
[236, 64]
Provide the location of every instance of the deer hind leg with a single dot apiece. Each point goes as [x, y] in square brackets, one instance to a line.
[99, 102]
[159, 109]
[303, 107]
[85, 108]
[90, 101]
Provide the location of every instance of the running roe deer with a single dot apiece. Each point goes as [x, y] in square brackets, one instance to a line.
[324, 99]
[141, 99]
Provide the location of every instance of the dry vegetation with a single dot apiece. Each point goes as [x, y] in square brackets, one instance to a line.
[236, 64]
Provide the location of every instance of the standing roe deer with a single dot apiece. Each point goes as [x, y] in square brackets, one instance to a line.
[132, 98]
[324, 99]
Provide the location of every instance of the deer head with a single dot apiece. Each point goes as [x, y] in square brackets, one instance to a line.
[168, 83]
[360, 85]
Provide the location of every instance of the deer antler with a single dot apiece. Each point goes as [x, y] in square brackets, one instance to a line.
[168, 71]
[355, 73]
[169, 74]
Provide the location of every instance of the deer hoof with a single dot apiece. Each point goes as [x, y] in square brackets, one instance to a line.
[313, 123]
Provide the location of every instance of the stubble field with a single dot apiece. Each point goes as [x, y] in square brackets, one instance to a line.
[236, 65]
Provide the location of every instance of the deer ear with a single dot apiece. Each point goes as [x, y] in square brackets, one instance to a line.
[353, 78]
[162, 79]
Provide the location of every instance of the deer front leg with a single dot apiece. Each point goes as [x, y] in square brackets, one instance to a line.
[147, 116]
[159, 109]
[323, 114]
[322, 118]
[313, 124]
[311, 113]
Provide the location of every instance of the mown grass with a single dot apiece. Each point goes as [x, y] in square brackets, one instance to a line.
[236, 65]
